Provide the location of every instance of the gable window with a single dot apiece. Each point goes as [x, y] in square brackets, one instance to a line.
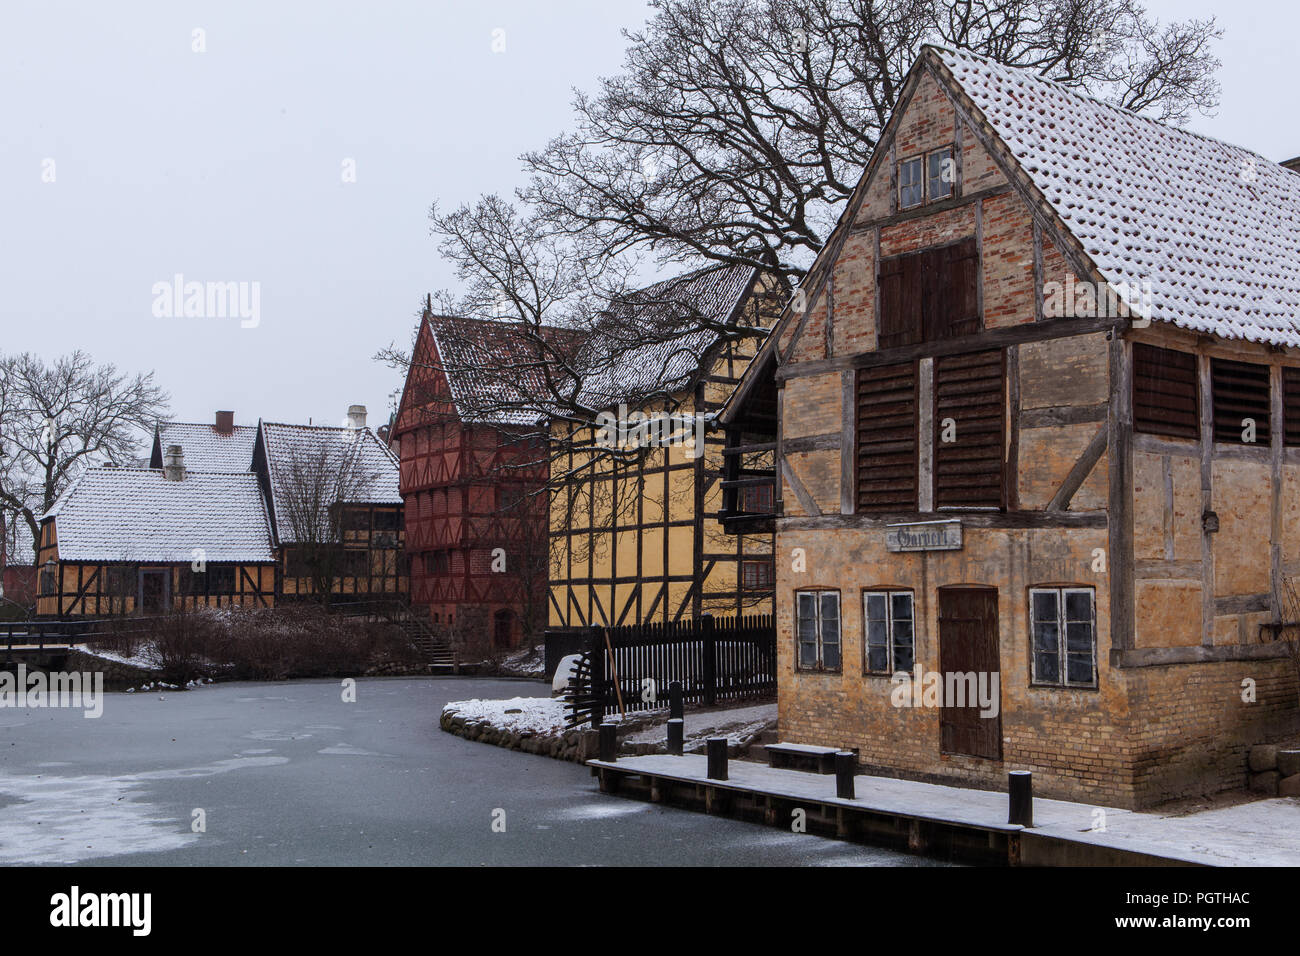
[911, 188]
[1063, 624]
[1240, 394]
[817, 626]
[939, 174]
[891, 631]
[1166, 396]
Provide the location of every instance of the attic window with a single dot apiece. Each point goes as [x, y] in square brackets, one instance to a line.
[911, 190]
[939, 174]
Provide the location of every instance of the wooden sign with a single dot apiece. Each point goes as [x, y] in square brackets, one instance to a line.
[924, 536]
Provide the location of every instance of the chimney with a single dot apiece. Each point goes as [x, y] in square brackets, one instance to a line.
[174, 463]
[225, 423]
[356, 417]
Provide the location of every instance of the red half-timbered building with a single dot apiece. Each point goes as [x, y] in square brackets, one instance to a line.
[473, 479]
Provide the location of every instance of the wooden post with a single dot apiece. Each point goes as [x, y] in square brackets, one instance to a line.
[1020, 793]
[710, 659]
[596, 655]
[609, 742]
[717, 757]
[675, 709]
[845, 764]
[675, 735]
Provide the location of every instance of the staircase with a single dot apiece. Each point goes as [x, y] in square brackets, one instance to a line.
[417, 629]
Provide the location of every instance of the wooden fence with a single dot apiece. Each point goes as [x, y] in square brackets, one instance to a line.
[630, 668]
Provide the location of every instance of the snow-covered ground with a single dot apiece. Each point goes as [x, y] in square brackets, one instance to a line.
[538, 715]
[1260, 833]
[143, 656]
[737, 724]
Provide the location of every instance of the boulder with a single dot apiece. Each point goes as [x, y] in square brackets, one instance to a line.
[1263, 757]
[560, 683]
[1288, 762]
[1289, 786]
[1265, 783]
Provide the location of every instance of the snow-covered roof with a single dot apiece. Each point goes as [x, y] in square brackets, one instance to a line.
[657, 341]
[374, 468]
[207, 449]
[135, 514]
[493, 367]
[1215, 228]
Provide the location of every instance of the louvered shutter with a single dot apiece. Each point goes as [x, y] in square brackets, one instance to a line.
[886, 447]
[1166, 398]
[1240, 392]
[969, 407]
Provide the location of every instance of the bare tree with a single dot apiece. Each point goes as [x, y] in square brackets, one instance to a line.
[58, 419]
[738, 128]
[314, 485]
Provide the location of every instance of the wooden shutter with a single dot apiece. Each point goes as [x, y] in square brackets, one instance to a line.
[901, 292]
[950, 279]
[886, 447]
[1166, 397]
[1239, 391]
[1290, 405]
[969, 390]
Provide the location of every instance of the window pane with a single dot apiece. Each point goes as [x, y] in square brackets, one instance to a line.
[875, 606]
[911, 189]
[903, 654]
[807, 654]
[1047, 638]
[1078, 639]
[940, 174]
[1078, 606]
[878, 658]
[1079, 668]
[876, 635]
[831, 655]
[1045, 605]
[830, 616]
[1047, 668]
[902, 606]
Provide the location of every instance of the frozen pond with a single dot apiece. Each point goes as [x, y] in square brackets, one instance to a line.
[288, 773]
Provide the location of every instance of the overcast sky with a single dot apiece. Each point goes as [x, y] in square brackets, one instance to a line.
[129, 158]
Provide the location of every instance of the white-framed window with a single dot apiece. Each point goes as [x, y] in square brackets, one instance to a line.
[891, 631]
[817, 627]
[911, 187]
[939, 174]
[1063, 628]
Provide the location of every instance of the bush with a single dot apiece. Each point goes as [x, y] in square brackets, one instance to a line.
[266, 644]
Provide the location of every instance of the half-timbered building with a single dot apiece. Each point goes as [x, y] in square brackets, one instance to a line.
[146, 540]
[227, 523]
[473, 476]
[1037, 429]
[635, 536]
[333, 499]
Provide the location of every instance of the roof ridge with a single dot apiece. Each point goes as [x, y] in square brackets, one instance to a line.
[1079, 94]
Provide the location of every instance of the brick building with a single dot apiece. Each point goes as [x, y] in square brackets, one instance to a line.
[473, 477]
[1039, 420]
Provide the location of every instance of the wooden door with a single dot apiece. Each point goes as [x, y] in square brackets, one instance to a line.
[154, 587]
[968, 643]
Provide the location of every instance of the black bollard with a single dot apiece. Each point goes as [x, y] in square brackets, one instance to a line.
[717, 751]
[845, 763]
[609, 742]
[1020, 794]
[676, 733]
[675, 700]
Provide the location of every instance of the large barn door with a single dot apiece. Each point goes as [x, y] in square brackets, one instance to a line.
[968, 643]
